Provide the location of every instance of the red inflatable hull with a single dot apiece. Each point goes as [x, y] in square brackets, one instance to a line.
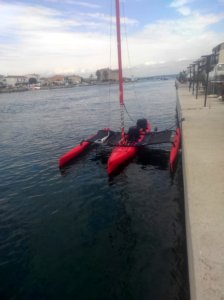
[79, 149]
[67, 157]
[174, 149]
[122, 154]
[119, 156]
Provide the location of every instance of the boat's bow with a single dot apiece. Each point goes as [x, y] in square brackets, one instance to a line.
[127, 147]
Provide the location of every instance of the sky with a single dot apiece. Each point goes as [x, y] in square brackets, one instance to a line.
[79, 36]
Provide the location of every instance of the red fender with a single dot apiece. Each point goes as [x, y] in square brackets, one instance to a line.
[174, 149]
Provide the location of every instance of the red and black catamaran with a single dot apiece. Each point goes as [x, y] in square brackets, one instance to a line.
[125, 144]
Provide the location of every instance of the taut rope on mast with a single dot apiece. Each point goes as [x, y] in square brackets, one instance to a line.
[121, 94]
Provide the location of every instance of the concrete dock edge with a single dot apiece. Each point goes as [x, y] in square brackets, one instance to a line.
[203, 175]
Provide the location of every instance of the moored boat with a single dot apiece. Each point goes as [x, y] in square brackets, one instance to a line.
[125, 145]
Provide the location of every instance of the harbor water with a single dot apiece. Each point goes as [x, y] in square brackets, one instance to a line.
[78, 234]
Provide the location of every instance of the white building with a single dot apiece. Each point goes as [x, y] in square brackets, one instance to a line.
[217, 74]
[2, 81]
[218, 53]
[16, 80]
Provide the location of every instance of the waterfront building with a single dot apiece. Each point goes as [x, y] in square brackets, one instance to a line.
[73, 79]
[44, 81]
[14, 81]
[218, 54]
[107, 74]
[57, 80]
[216, 75]
[33, 77]
[2, 81]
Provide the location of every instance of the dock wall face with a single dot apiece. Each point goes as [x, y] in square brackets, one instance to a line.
[203, 174]
[191, 270]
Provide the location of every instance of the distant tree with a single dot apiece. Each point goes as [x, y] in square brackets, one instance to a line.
[105, 75]
[182, 77]
[32, 80]
[98, 74]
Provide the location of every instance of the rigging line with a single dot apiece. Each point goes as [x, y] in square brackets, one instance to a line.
[124, 102]
[130, 117]
[129, 59]
[169, 128]
[110, 59]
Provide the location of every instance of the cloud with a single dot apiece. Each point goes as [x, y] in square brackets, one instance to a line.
[171, 40]
[49, 40]
[53, 40]
[180, 3]
[86, 4]
[17, 19]
[185, 11]
[181, 7]
[108, 18]
[74, 2]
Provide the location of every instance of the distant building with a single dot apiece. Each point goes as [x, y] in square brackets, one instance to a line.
[16, 80]
[57, 80]
[107, 74]
[33, 77]
[218, 54]
[216, 73]
[2, 81]
[73, 79]
[44, 81]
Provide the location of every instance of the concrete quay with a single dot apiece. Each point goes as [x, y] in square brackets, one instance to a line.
[203, 173]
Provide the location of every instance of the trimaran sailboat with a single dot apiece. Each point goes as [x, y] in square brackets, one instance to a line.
[127, 144]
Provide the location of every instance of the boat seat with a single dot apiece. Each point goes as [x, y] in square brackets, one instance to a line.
[133, 134]
[142, 124]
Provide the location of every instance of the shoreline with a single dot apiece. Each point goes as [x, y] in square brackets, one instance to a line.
[14, 90]
[26, 89]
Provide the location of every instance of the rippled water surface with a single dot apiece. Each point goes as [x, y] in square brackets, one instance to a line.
[79, 235]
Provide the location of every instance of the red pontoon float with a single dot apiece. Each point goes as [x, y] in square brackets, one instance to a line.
[174, 149]
[79, 149]
[127, 147]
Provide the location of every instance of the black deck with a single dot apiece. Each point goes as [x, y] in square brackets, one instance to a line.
[114, 138]
[111, 138]
[153, 138]
[106, 137]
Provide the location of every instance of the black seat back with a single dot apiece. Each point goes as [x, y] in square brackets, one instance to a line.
[141, 124]
[133, 134]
